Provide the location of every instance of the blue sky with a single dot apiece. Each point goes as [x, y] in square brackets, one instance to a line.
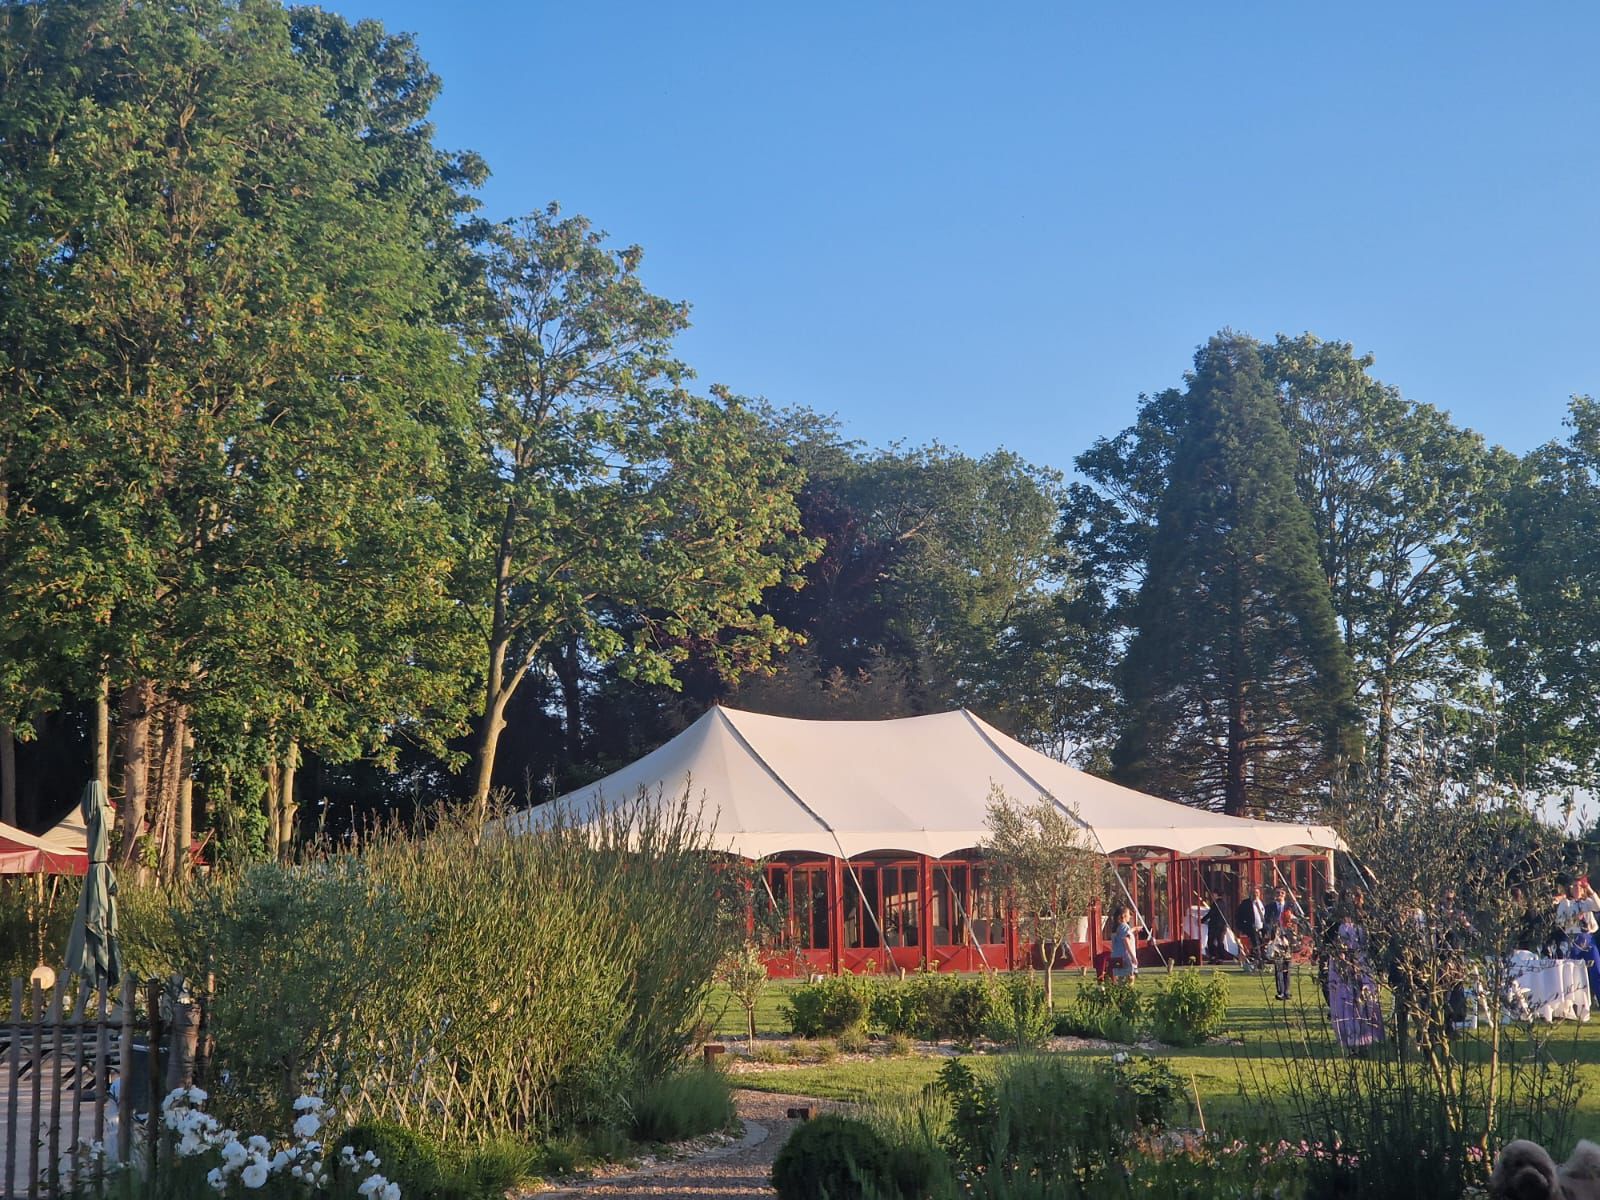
[997, 225]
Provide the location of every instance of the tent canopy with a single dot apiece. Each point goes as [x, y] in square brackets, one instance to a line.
[62, 850]
[917, 785]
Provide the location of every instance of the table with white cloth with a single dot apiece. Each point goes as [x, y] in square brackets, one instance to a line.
[1546, 989]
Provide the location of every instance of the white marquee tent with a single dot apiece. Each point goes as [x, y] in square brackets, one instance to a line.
[919, 785]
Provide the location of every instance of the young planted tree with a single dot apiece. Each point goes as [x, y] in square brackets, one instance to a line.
[744, 973]
[605, 487]
[1236, 687]
[1045, 861]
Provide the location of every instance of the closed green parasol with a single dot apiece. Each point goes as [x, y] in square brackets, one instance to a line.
[92, 950]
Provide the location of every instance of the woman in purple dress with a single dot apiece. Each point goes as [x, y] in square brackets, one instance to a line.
[1353, 999]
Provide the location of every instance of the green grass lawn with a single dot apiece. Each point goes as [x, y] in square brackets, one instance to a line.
[1227, 1075]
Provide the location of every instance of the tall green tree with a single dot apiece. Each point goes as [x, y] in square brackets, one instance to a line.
[1397, 495]
[243, 528]
[1536, 600]
[1237, 689]
[606, 486]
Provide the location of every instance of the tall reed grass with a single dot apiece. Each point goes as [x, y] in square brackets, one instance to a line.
[467, 982]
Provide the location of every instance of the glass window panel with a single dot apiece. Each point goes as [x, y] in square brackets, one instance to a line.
[988, 915]
[902, 906]
[949, 905]
[1159, 914]
[861, 924]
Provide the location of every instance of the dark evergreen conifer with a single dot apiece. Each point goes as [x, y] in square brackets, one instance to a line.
[1238, 689]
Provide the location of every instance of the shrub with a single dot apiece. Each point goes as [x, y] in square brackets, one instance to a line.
[406, 1158]
[836, 1157]
[930, 1004]
[828, 1007]
[911, 1126]
[301, 955]
[1047, 1117]
[947, 1006]
[852, 1041]
[491, 1169]
[1017, 1011]
[894, 1008]
[390, 973]
[966, 1011]
[427, 1171]
[684, 1105]
[1152, 1087]
[1188, 1011]
[1116, 1012]
[563, 1154]
[898, 1044]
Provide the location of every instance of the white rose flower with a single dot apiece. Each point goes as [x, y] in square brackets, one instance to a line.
[391, 1191]
[372, 1185]
[308, 1103]
[233, 1154]
[306, 1127]
[254, 1175]
[259, 1145]
[198, 1095]
[280, 1160]
[215, 1179]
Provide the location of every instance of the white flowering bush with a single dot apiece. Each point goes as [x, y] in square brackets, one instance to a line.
[199, 1158]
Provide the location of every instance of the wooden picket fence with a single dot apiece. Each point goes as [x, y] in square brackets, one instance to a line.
[64, 1052]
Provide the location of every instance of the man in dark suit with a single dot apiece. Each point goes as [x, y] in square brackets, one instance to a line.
[1248, 924]
[1274, 914]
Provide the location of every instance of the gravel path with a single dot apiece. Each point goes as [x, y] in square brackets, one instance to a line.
[732, 1173]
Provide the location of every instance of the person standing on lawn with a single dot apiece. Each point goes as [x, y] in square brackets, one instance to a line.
[1124, 948]
[1353, 1001]
[1248, 926]
[1575, 918]
[1216, 923]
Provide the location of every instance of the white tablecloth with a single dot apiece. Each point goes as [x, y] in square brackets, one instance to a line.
[1549, 989]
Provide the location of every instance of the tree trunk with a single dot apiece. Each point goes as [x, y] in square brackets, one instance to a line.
[497, 688]
[174, 732]
[8, 775]
[102, 735]
[1385, 728]
[163, 788]
[137, 700]
[493, 721]
[1234, 797]
[185, 816]
[569, 673]
[287, 808]
[1050, 977]
[269, 802]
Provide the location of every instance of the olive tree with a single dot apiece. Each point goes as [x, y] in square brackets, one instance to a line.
[1043, 859]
